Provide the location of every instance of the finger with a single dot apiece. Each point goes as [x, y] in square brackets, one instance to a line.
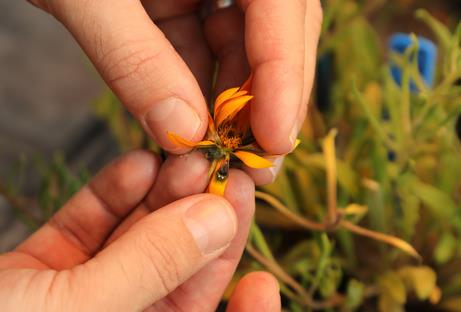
[184, 30]
[78, 230]
[257, 291]
[179, 177]
[160, 10]
[139, 64]
[155, 256]
[196, 294]
[224, 30]
[312, 28]
[266, 176]
[274, 38]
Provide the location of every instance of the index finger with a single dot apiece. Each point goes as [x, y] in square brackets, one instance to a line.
[275, 39]
[139, 64]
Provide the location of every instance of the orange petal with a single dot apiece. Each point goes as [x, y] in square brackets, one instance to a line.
[219, 105]
[224, 96]
[247, 84]
[253, 160]
[211, 126]
[231, 107]
[181, 142]
[217, 186]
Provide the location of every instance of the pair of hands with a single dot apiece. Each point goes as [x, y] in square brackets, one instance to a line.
[111, 247]
[140, 236]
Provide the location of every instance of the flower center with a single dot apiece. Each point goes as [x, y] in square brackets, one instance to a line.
[229, 138]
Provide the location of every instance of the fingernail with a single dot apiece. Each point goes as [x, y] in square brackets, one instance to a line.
[172, 115]
[277, 162]
[212, 223]
[294, 134]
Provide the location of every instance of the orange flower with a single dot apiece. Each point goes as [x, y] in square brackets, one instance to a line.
[229, 138]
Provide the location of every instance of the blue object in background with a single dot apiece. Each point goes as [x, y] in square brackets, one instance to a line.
[427, 58]
[324, 76]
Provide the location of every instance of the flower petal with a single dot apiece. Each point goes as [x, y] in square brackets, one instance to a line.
[211, 126]
[181, 142]
[253, 160]
[231, 107]
[224, 96]
[247, 84]
[220, 104]
[297, 142]
[217, 184]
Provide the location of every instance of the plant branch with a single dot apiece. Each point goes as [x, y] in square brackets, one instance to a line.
[304, 298]
[391, 240]
[305, 223]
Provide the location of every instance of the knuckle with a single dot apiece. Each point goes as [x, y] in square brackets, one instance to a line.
[136, 166]
[128, 61]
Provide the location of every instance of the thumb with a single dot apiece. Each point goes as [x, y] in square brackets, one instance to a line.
[156, 255]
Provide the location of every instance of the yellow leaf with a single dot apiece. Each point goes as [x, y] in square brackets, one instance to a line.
[391, 285]
[253, 160]
[387, 304]
[355, 209]
[329, 152]
[421, 279]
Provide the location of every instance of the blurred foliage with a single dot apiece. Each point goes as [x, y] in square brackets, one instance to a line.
[396, 169]
[56, 184]
[366, 213]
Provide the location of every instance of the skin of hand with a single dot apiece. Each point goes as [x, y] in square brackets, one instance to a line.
[158, 56]
[146, 242]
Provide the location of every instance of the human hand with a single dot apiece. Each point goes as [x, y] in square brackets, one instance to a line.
[158, 57]
[139, 237]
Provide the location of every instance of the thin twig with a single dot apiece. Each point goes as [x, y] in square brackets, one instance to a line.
[305, 223]
[304, 298]
[314, 226]
[391, 240]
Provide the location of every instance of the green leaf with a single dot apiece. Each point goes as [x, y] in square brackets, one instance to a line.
[439, 203]
[330, 281]
[440, 30]
[260, 242]
[445, 248]
[323, 262]
[355, 294]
